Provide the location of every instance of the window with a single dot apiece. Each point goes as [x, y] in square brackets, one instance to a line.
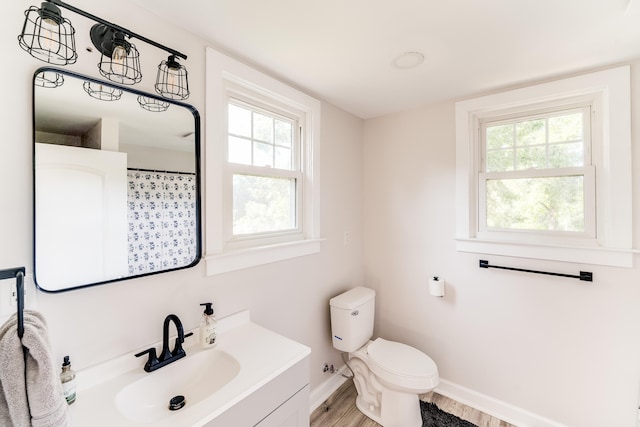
[262, 164]
[263, 169]
[536, 174]
[544, 171]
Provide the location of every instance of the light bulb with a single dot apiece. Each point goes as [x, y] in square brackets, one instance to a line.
[171, 81]
[49, 38]
[118, 58]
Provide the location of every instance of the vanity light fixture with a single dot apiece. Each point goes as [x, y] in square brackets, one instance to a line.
[152, 104]
[49, 79]
[47, 36]
[171, 81]
[102, 92]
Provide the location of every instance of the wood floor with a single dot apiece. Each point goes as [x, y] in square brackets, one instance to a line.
[339, 410]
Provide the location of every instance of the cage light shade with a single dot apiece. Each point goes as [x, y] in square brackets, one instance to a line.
[152, 104]
[120, 60]
[102, 92]
[47, 36]
[50, 79]
[123, 66]
[171, 81]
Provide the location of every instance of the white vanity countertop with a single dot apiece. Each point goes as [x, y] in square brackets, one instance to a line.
[262, 354]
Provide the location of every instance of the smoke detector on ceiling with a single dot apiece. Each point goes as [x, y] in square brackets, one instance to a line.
[408, 60]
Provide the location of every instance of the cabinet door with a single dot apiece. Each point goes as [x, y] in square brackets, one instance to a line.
[292, 413]
[282, 402]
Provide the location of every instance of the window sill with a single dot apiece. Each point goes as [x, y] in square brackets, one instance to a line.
[247, 258]
[578, 254]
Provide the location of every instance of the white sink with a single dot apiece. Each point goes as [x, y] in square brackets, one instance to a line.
[195, 377]
[248, 374]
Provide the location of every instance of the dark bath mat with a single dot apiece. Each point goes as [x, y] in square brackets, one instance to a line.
[432, 416]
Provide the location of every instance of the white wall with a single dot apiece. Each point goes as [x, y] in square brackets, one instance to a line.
[566, 350]
[96, 324]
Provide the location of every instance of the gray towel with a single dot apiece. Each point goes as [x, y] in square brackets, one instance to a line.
[8, 351]
[35, 398]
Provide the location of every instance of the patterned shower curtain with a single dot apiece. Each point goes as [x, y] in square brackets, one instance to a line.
[162, 220]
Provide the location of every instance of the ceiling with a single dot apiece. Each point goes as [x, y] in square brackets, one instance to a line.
[343, 51]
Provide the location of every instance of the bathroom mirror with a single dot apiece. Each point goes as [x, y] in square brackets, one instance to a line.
[116, 182]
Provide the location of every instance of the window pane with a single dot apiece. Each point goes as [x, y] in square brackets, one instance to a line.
[531, 158]
[262, 154]
[283, 158]
[565, 128]
[499, 136]
[263, 204]
[541, 143]
[546, 204]
[283, 133]
[500, 160]
[262, 127]
[239, 150]
[530, 132]
[566, 155]
[239, 121]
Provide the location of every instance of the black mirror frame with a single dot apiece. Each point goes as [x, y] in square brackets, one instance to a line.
[197, 138]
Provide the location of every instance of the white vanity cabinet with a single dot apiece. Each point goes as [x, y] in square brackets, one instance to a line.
[282, 402]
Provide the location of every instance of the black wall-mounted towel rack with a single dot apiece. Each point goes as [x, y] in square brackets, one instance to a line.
[18, 274]
[585, 276]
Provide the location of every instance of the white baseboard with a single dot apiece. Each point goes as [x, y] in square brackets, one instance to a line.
[322, 392]
[494, 407]
[487, 404]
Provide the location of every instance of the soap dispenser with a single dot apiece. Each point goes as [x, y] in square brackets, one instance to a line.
[208, 327]
[68, 379]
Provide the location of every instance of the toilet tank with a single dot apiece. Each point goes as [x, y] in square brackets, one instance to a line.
[352, 318]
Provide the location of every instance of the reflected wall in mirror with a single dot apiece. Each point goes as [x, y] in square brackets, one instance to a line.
[116, 182]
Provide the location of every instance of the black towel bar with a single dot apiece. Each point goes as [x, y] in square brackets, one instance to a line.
[585, 276]
[18, 274]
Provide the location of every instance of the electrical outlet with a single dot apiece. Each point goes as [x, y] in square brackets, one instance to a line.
[13, 295]
[328, 367]
[9, 295]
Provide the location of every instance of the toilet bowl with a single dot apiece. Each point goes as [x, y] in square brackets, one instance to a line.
[402, 367]
[389, 376]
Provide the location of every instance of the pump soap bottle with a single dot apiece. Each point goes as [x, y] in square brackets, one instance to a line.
[68, 378]
[208, 327]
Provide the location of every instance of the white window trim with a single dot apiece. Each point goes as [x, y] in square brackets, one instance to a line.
[613, 187]
[222, 71]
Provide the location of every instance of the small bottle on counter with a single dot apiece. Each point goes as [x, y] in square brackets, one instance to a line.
[68, 378]
[208, 327]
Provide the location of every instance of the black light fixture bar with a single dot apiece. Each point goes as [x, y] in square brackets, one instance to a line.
[129, 33]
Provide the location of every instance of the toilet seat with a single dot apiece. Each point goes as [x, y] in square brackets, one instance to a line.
[402, 365]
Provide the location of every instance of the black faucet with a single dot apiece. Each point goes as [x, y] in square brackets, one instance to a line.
[166, 356]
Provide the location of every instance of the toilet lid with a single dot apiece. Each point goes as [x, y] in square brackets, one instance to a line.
[401, 359]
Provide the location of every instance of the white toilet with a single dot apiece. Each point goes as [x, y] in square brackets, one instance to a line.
[389, 376]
